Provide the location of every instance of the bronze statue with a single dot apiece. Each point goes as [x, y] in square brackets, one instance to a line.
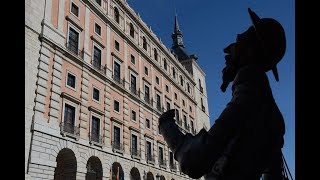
[245, 142]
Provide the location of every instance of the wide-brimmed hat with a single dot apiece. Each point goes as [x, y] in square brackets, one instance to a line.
[271, 35]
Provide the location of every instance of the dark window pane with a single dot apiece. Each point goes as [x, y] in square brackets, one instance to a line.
[146, 91]
[144, 43]
[160, 153]
[165, 64]
[95, 126]
[69, 115]
[99, 2]
[146, 70]
[133, 61]
[171, 158]
[147, 123]
[116, 106]
[75, 9]
[157, 80]
[96, 57]
[116, 71]
[116, 45]
[149, 150]
[116, 14]
[134, 142]
[116, 135]
[177, 114]
[134, 115]
[71, 80]
[168, 105]
[131, 30]
[158, 100]
[167, 88]
[73, 40]
[97, 29]
[96, 94]
[133, 82]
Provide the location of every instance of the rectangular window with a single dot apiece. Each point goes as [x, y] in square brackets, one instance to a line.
[133, 115]
[116, 71]
[168, 105]
[171, 158]
[157, 80]
[96, 57]
[95, 129]
[133, 84]
[133, 60]
[71, 81]
[146, 92]
[97, 29]
[134, 142]
[149, 150]
[173, 72]
[160, 153]
[75, 9]
[167, 88]
[69, 118]
[191, 124]
[165, 64]
[116, 135]
[158, 101]
[183, 103]
[146, 71]
[175, 96]
[96, 94]
[116, 106]
[116, 45]
[73, 41]
[190, 108]
[177, 114]
[148, 123]
[188, 87]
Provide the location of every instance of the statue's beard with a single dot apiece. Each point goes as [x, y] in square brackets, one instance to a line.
[228, 74]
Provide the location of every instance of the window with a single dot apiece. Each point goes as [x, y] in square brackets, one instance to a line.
[148, 123]
[159, 129]
[165, 64]
[116, 71]
[146, 70]
[96, 57]
[133, 115]
[167, 88]
[134, 142]
[160, 154]
[177, 114]
[173, 72]
[133, 60]
[155, 54]
[190, 108]
[116, 15]
[116, 136]
[171, 158]
[158, 101]
[149, 150]
[133, 84]
[183, 102]
[157, 80]
[185, 121]
[69, 118]
[116, 45]
[75, 9]
[116, 106]
[168, 105]
[146, 92]
[181, 80]
[95, 129]
[71, 80]
[97, 29]
[191, 124]
[73, 42]
[144, 44]
[99, 2]
[188, 87]
[131, 30]
[95, 94]
[175, 96]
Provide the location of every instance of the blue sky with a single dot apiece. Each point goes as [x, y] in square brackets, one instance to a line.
[208, 26]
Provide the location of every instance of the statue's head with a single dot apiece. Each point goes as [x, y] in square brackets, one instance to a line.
[264, 44]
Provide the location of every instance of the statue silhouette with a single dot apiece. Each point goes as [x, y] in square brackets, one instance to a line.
[245, 142]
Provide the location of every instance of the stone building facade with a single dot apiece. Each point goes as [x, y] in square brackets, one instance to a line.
[97, 79]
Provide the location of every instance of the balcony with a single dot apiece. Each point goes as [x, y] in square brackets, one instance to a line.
[74, 50]
[117, 147]
[135, 153]
[118, 80]
[97, 65]
[67, 129]
[150, 159]
[162, 163]
[173, 167]
[96, 139]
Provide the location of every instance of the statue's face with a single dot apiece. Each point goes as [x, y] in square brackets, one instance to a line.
[241, 51]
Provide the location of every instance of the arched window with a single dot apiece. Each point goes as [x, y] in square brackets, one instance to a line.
[131, 30]
[144, 43]
[116, 14]
[155, 54]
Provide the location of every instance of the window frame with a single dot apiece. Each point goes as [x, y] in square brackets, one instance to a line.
[115, 43]
[75, 80]
[94, 87]
[134, 58]
[100, 122]
[95, 25]
[146, 69]
[116, 100]
[98, 47]
[77, 16]
[70, 25]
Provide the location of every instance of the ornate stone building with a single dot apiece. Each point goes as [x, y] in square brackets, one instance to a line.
[97, 79]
